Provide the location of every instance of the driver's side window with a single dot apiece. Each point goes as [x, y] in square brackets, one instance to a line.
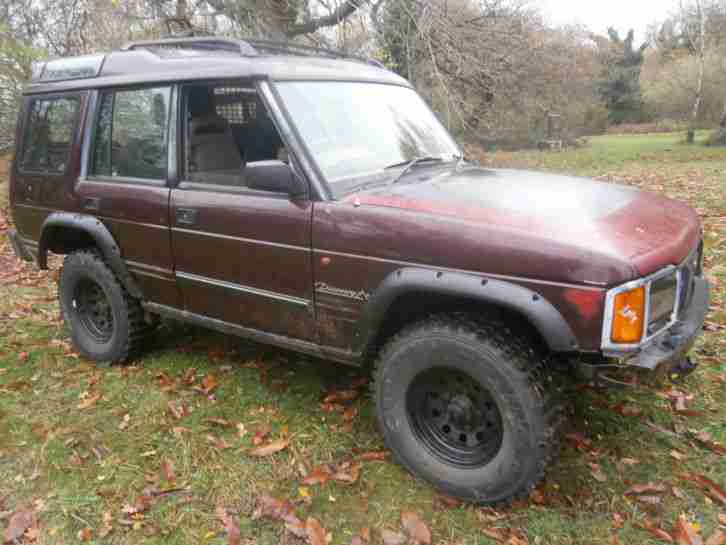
[226, 128]
[131, 134]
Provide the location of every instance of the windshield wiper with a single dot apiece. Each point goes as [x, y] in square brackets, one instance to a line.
[408, 165]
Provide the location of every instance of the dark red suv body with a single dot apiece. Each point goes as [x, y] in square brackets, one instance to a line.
[319, 235]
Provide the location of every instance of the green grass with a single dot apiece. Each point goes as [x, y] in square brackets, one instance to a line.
[73, 465]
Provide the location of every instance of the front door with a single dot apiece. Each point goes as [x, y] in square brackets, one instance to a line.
[242, 256]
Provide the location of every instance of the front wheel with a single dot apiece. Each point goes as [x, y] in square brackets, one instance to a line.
[467, 406]
[106, 324]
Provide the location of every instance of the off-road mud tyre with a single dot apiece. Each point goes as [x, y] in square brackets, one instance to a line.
[505, 370]
[105, 323]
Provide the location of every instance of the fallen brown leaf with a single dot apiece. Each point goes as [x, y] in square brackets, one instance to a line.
[710, 488]
[627, 410]
[597, 473]
[347, 473]
[297, 528]
[315, 532]
[217, 442]
[124, 422]
[260, 434]
[218, 422]
[376, 456]
[661, 534]
[319, 475]
[270, 448]
[350, 413]
[390, 537]
[416, 529]
[578, 441]
[180, 430]
[231, 526]
[648, 488]
[89, 400]
[650, 500]
[19, 522]
[189, 376]
[495, 533]
[178, 411]
[107, 527]
[208, 385]
[167, 471]
[685, 534]
[340, 395]
[705, 439]
[274, 508]
[166, 383]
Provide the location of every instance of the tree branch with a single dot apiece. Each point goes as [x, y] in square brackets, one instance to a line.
[346, 9]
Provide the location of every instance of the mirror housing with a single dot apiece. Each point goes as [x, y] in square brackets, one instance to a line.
[275, 176]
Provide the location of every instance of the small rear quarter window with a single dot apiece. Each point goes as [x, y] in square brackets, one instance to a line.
[48, 134]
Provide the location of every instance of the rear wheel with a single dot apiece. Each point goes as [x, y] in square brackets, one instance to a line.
[106, 324]
[468, 406]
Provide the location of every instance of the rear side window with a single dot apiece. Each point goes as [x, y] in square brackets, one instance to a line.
[131, 134]
[49, 134]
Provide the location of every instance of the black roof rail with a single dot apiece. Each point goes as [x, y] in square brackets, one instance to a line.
[247, 47]
[291, 48]
[205, 42]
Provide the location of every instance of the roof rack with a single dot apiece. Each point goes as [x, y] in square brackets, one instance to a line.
[246, 47]
[209, 42]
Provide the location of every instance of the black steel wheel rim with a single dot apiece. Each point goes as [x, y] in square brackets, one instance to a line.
[455, 417]
[93, 310]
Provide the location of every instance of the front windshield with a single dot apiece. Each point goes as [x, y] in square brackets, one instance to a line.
[357, 129]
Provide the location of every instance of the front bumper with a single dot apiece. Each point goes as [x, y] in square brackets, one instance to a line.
[19, 247]
[668, 351]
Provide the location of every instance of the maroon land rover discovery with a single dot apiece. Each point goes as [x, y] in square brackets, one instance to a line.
[312, 201]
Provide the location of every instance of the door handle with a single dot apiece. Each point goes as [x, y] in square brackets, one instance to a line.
[92, 203]
[186, 216]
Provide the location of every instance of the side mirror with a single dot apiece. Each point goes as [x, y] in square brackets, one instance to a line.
[274, 176]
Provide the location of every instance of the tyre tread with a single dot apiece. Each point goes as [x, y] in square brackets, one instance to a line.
[139, 329]
[544, 380]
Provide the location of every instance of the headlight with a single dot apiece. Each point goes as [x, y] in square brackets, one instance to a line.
[639, 310]
[628, 316]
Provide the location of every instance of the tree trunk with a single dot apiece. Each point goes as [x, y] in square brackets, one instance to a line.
[701, 66]
[721, 136]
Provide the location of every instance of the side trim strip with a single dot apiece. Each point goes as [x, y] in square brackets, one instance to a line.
[146, 267]
[244, 289]
[240, 239]
[595, 287]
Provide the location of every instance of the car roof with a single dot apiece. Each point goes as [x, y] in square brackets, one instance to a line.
[203, 59]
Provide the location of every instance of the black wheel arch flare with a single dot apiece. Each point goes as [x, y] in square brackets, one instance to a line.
[99, 233]
[540, 313]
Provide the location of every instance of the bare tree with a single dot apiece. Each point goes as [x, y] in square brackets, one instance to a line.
[697, 41]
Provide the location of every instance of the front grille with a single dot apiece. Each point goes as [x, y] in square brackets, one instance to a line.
[663, 293]
[689, 270]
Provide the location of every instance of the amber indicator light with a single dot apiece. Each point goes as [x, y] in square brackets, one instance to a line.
[629, 316]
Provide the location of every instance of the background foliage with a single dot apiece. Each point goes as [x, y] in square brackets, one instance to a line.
[492, 69]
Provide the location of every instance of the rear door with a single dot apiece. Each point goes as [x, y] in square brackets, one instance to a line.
[242, 256]
[126, 182]
[46, 165]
